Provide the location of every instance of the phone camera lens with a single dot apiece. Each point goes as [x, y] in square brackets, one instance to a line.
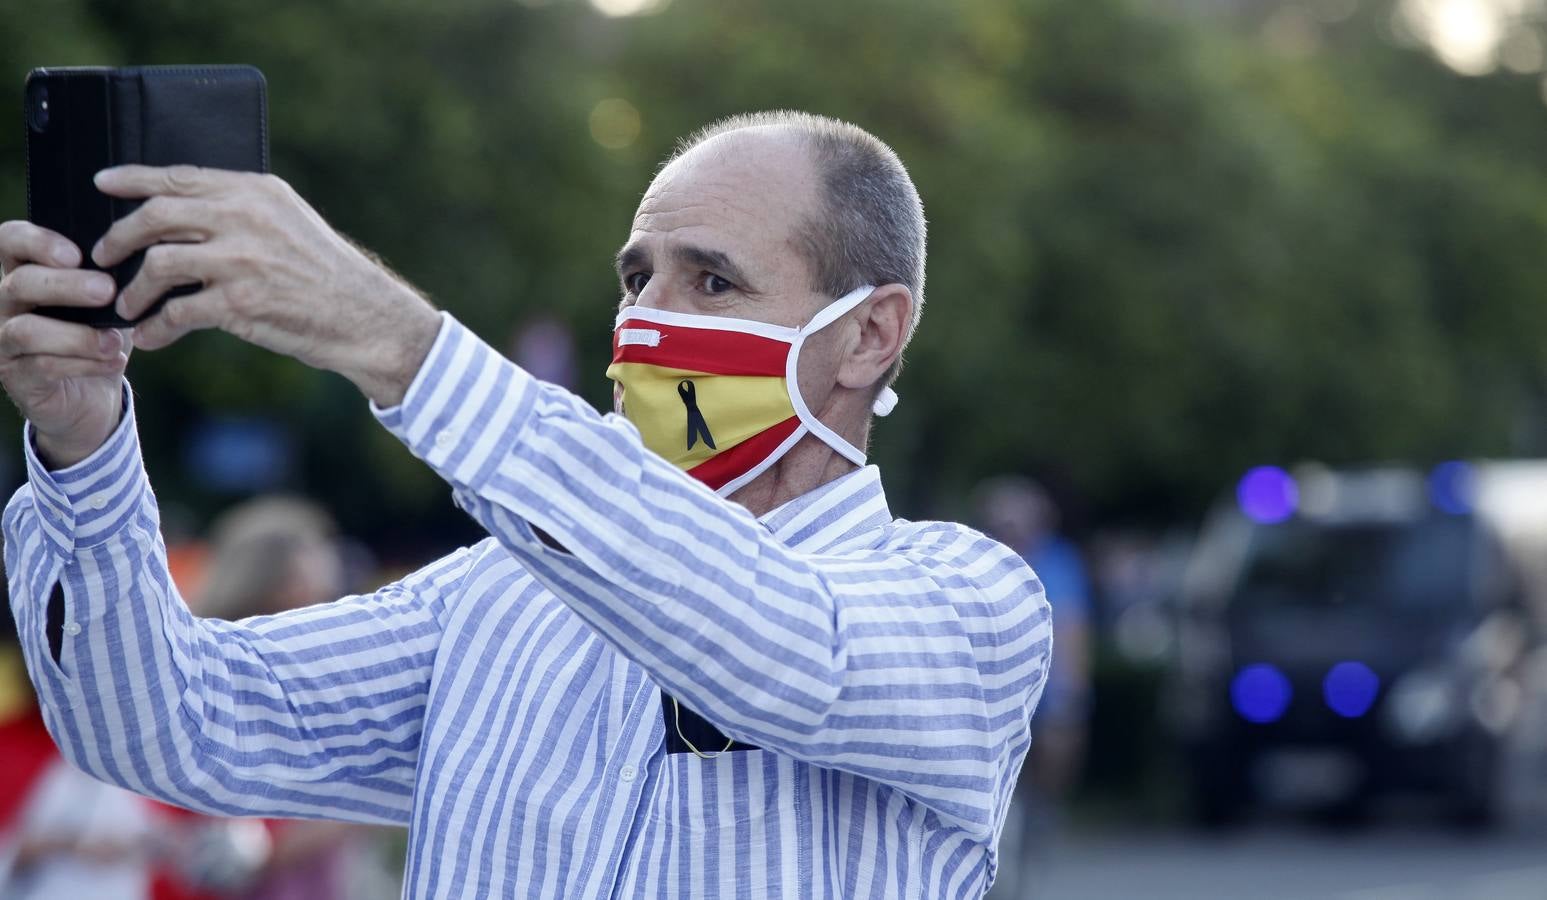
[37, 106]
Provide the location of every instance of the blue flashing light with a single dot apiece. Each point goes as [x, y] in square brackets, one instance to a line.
[1350, 689]
[1260, 693]
[1268, 494]
[1453, 487]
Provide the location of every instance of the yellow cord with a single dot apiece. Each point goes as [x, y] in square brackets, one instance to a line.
[696, 752]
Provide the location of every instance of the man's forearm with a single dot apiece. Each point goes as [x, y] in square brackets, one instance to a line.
[384, 361]
[144, 695]
[387, 361]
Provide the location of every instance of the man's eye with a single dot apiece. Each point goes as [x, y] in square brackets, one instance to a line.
[635, 282]
[714, 284]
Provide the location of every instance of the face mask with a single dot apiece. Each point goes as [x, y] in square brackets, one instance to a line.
[720, 397]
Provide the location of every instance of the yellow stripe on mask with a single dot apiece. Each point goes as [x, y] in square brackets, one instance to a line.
[734, 408]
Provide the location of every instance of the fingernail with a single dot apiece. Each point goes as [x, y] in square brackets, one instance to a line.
[65, 254]
[109, 341]
[96, 252]
[102, 176]
[101, 287]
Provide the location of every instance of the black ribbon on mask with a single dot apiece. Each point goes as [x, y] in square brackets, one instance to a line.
[697, 427]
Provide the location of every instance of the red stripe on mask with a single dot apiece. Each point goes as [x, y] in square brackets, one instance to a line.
[706, 350]
[722, 468]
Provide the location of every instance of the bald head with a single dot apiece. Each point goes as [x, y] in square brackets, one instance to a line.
[865, 222]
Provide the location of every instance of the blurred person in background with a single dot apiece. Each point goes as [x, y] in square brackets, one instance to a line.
[268, 555]
[1019, 512]
[545, 346]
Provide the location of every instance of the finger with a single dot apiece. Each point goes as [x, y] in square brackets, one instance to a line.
[23, 242]
[155, 181]
[44, 367]
[177, 318]
[31, 335]
[30, 286]
[166, 266]
[158, 219]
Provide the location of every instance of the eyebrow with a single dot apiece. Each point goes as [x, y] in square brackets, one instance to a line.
[633, 256]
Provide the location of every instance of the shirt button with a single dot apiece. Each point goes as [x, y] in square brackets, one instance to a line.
[72, 628]
[445, 438]
[99, 501]
[626, 773]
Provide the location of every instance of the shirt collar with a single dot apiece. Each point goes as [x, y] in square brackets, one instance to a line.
[840, 509]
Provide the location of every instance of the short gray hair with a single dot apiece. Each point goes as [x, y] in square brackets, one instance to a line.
[871, 227]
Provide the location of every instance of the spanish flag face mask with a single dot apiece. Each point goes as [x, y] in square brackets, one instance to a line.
[719, 397]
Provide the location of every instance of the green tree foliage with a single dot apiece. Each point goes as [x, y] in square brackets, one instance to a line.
[1161, 249]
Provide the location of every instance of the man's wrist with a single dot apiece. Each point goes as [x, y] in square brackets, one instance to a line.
[62, 452]
[81, 505]
[389, 365]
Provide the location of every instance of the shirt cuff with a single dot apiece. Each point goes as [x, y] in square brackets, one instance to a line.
[464, 407]
[83, 505]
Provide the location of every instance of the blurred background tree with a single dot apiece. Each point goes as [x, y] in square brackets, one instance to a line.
[1169, 241]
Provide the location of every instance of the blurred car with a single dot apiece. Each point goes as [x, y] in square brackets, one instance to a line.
[1349, 634]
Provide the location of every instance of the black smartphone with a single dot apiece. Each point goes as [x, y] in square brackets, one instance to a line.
[83, 120]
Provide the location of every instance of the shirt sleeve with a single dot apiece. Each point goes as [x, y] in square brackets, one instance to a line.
[916, 662]
[313, 713]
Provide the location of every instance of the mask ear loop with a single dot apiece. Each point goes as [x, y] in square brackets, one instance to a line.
[824, 317]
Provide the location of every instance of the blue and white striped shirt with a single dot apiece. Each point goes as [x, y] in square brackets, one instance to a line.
[504, 702]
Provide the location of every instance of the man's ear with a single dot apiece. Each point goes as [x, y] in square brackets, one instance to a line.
[882, 321]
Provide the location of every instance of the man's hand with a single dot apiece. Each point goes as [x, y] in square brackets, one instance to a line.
[273, 273]
[65, 378]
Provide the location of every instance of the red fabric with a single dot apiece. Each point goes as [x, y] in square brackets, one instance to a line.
[720, 469]
[28, 751]
[706, 350]
[165, 885]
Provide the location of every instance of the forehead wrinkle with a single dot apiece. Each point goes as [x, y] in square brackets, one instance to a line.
[749, 184]
[715, 207]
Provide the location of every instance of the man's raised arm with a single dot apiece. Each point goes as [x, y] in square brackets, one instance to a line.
[312, 713]
[315, 712]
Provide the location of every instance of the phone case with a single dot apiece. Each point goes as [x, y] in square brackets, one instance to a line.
[92, 118]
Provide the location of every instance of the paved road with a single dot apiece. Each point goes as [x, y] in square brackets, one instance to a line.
[1281, 862]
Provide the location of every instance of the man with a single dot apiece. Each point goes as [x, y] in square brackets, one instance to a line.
[633, 687]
